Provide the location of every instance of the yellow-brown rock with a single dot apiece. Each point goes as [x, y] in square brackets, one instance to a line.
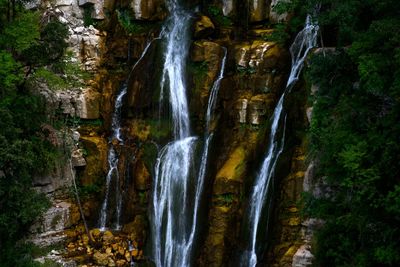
[88, 104]
[139, 129]
[136, 230]
[142, 176]
[230, 176]
[203, 27]
[96, 159]
[108, 237]
[219, 235]
[100, 258]
[120, 263]
[95, 233]
[257, 109]
[75, 215]
[259, 10]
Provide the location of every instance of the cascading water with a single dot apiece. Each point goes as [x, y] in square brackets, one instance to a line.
[212, 100]
[112, 156]
[174, 221]
[304, 41]
[113, 161]
[171, 189]
[207, 140]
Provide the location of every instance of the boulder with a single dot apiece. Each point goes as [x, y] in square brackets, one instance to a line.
[77, 158]
[303, 257]
[100, 258]
[203, 27]
[108, 237]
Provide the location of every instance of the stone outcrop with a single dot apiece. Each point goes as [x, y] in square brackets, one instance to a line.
[253, 81]
[80, 103]
[148, 9]
[203, 27]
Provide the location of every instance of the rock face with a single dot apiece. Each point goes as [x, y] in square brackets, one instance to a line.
[203, 27]
[259, 10]
[254, 78]
[148, 9]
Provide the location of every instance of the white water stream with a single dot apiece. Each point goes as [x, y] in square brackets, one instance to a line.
[305, 40]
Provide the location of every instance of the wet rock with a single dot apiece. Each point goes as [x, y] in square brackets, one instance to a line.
[203, 27]
[258, 52]
[205, 51]
[220, 232]
[241, 54]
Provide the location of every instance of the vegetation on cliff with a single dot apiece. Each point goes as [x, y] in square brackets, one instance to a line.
[355, 132]
[25, 147]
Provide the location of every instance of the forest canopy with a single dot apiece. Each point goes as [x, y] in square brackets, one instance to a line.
[354, 133]
[26, 44]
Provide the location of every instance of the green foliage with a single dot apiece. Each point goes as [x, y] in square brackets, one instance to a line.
[54, 81]
[354, 134]
[21, 33]
[217, 15]
[224, 199]
[279, 35]
[245, 70]
[10, 74]
[25, 149]
[50, 48]
[126, 21]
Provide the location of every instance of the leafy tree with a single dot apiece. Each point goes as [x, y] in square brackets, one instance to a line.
[25, 150]
[354, 133]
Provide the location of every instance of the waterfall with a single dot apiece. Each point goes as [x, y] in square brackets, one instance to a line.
[176, 33]
[112, 156]
[305, 40]
[214, 92]
[172, 187]
[176, 195]
[204, 157]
